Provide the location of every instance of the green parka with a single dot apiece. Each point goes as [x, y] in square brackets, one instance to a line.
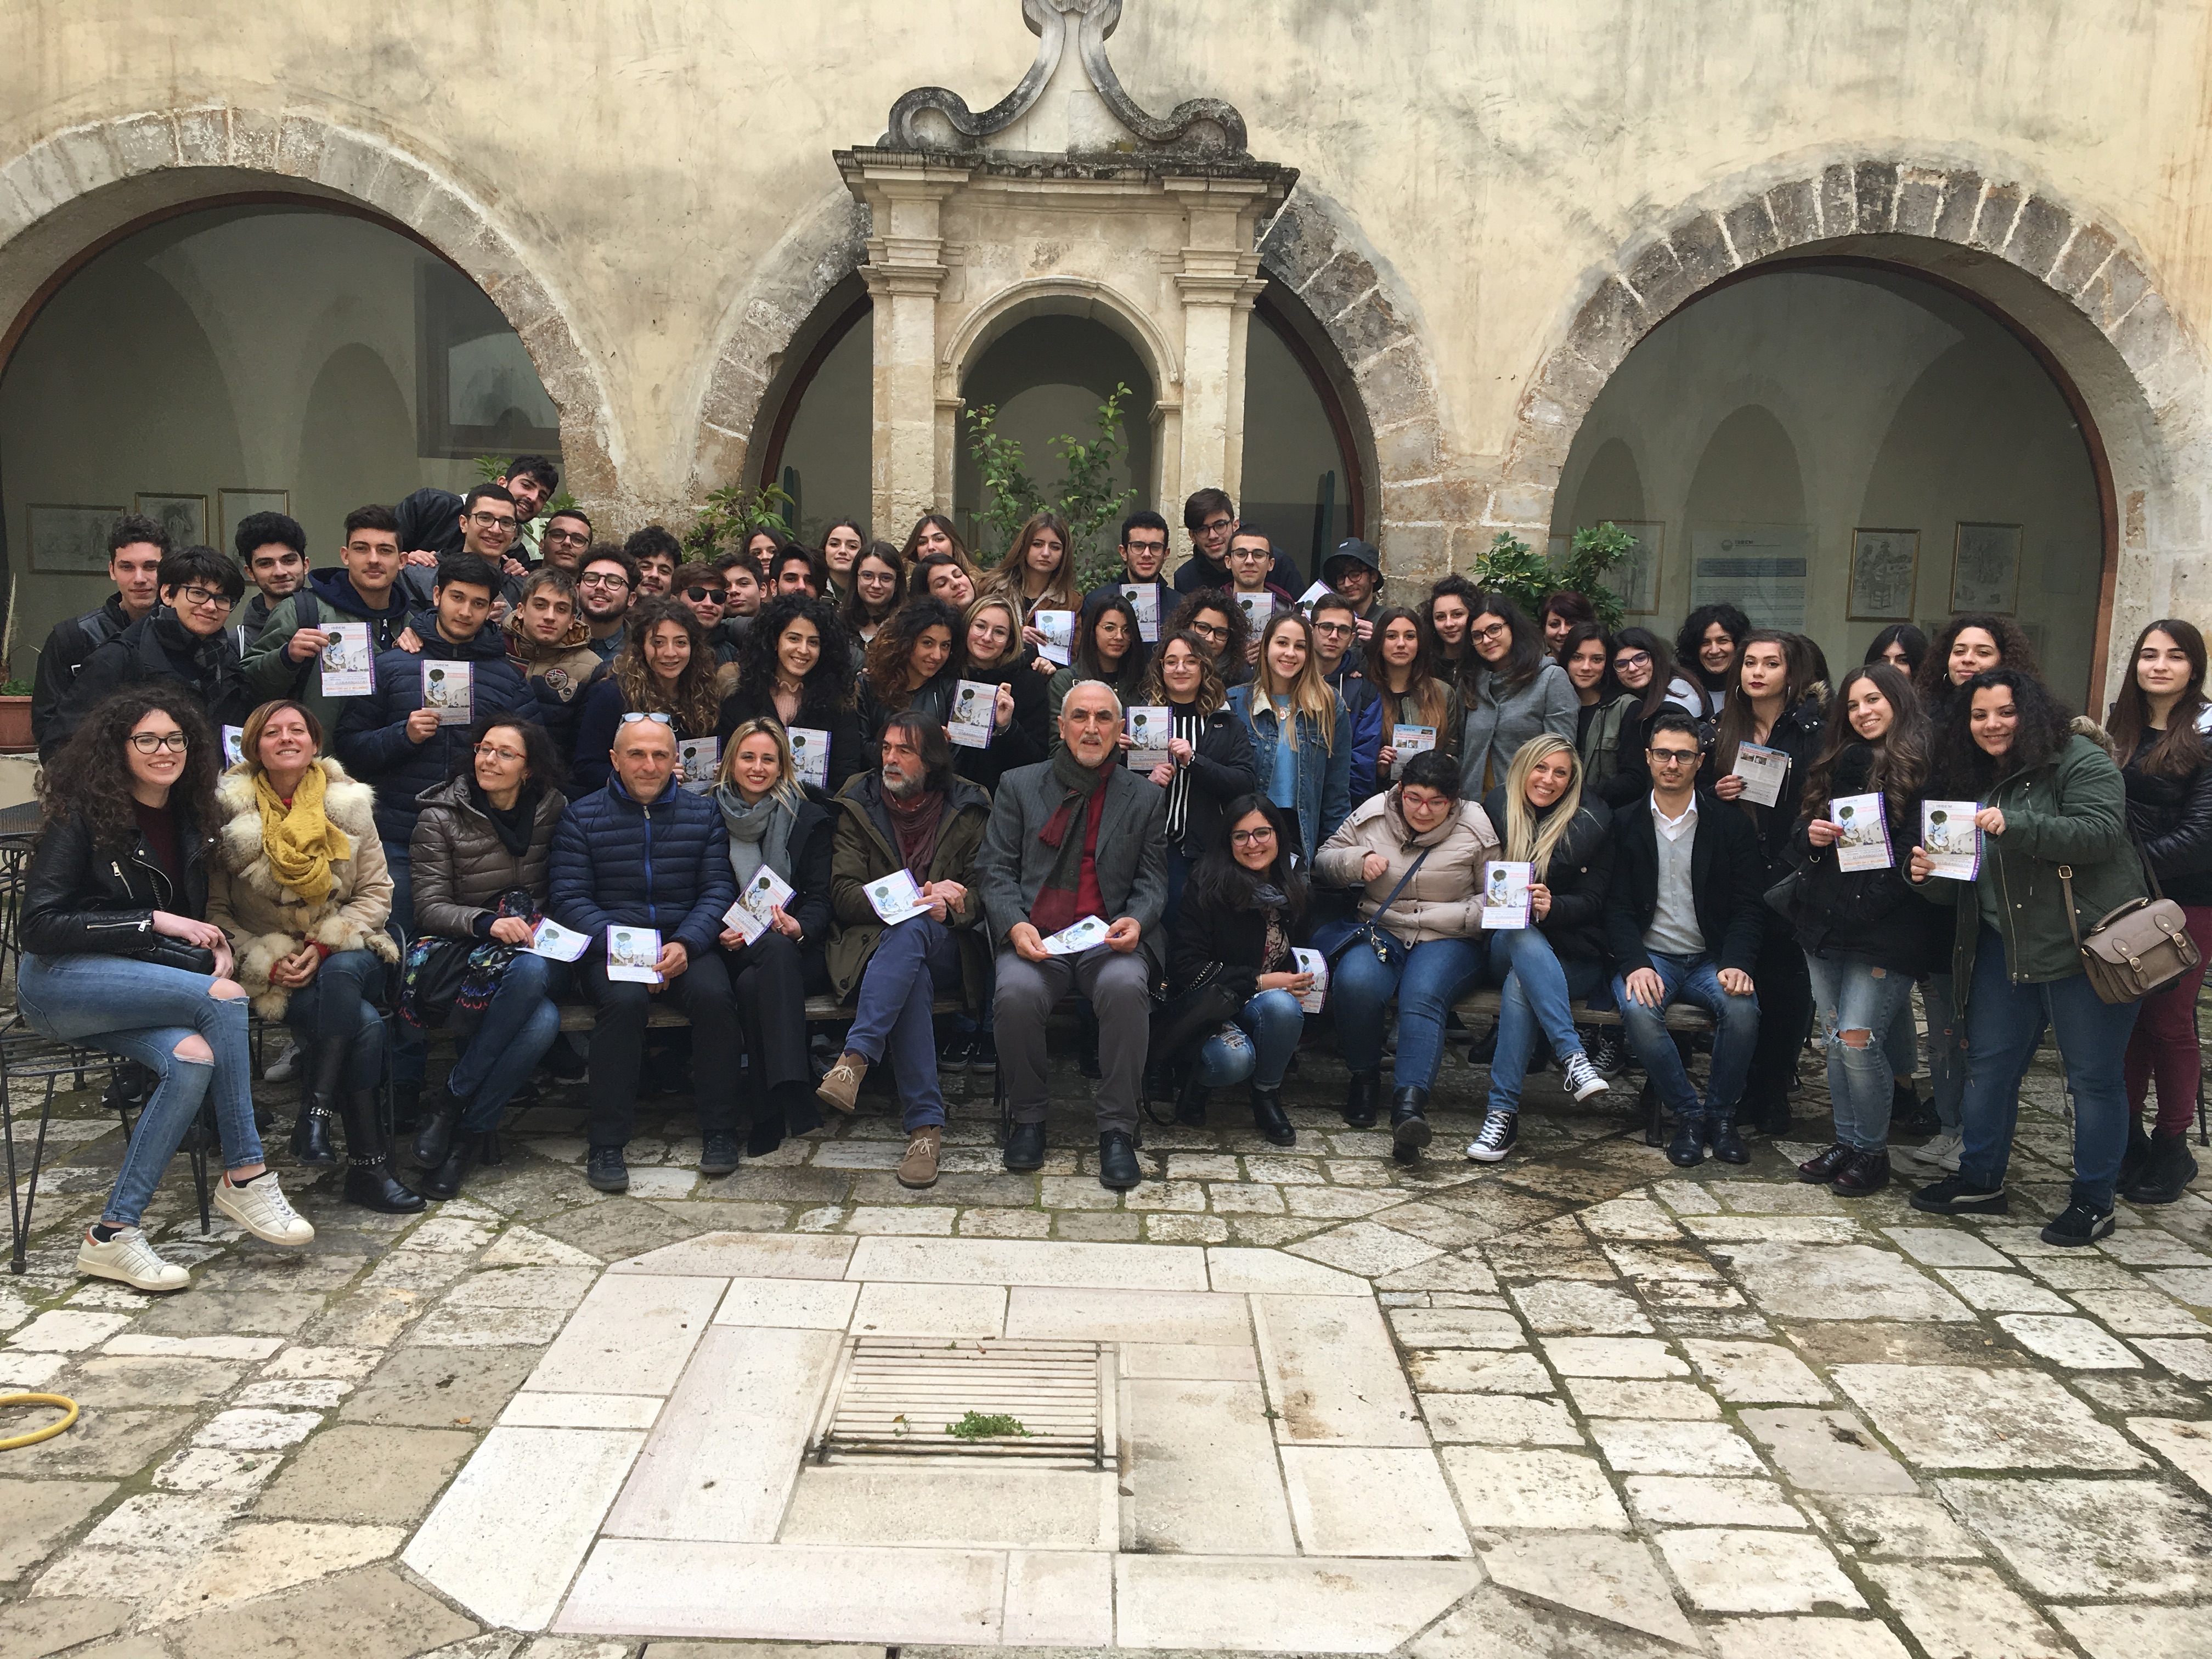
[867, 850]
[2071, 810]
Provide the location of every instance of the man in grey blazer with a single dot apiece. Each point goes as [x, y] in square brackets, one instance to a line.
[1080, 837]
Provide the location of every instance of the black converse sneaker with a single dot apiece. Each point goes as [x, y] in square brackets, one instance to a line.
[1499, 1131]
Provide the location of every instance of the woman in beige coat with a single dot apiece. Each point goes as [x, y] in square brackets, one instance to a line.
[299, 884]
[1426, 947]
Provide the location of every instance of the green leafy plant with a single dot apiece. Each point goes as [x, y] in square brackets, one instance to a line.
[978, 1425]
[1086, 497]
[1510, 565]
[15, 688]
[1596, 550]
[731, 514]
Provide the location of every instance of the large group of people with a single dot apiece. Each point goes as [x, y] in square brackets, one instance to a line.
[446, 785]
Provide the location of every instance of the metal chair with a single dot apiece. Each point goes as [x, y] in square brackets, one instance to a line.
[26, 1057]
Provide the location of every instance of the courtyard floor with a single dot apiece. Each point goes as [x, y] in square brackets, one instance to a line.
[1281, 1400]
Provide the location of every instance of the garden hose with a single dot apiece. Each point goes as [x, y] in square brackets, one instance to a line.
[36, 1435]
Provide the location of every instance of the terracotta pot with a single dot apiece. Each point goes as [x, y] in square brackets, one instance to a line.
[15, 724]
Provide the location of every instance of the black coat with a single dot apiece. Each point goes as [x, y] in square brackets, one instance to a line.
[1207, 939]
[850, 750]
[67, 647]
[813, 839]
[1220, 770]
[1027, 737]
[1875, 913]
[1797, 732]
[1580, 876]
[2171, 819]
[1728, 884]
[79, 899]
[157, 646]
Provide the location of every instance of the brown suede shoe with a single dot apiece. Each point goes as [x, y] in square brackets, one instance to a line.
[919, 1167]
[841, 1085]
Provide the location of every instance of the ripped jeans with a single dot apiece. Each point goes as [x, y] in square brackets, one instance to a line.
[1259, 1046]
[1851, 994]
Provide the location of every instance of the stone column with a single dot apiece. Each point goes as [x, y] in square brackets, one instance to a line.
[904, 276]
[1219, 279]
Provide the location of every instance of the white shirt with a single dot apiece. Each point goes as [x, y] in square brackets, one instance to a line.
[1674, 828]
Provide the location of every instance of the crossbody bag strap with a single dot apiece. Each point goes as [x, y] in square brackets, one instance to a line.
[1411, 870]
[2073, 922]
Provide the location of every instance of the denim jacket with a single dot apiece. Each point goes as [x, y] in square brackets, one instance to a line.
[1324, 775]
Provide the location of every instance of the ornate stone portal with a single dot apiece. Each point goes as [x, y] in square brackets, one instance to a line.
[1063, 197]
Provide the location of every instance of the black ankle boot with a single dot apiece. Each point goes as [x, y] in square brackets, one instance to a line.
[435, 1137]
[322, 1069]
[2166, 1172]
[370, 1181]
[1190, 1101]
[464, 1155]
[2134, 1160]
[1359, 1101]
[1687, 1149]
[1269, 1118]
[1727, 1146]
[1409, 1123]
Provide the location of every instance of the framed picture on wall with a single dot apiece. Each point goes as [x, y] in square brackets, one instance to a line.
[184, 517]
[1635, 578]
[70, 541]
[238, 505]
[477, 391]
[1985, 568]
[1883, 564]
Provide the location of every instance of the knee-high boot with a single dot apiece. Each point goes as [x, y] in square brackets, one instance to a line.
[370, 1181]
[322, 1069]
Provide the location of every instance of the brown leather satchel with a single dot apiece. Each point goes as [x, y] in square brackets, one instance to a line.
[2139, 949]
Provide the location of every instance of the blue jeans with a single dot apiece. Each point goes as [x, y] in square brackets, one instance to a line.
[1849, 994]
[335, 1007]
[2004, 1023]
[1735, 1034]
[1539, 994]
[1946, 1053]
[1259, 1046]
[913, 960]
[74, 999]
[509, 1040]
[410, 1053]
[1436, 972]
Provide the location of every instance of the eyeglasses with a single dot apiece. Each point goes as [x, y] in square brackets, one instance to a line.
[1675, 757]
[1209, 631]
[146, 742]
[1484, 635]
[1334, 629]
[197, 597]
[658, 719]
[699, 595]
[490, 520]
[487, 751]
[1216, 527]
[603, 578]
[1249, 837]
[1632, 659]
[571, 538]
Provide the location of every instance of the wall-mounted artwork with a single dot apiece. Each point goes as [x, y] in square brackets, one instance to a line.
[1883, 563]
[184, 517]
[240, 505]
[70, 541]
[1635, 578]
[1760, 568]
[1986, 569]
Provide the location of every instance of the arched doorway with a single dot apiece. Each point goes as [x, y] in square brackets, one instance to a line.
[232, 358]
[1303, 482]
[1838, 445]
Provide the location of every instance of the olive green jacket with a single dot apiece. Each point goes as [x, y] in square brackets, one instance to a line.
[2071, 810]
[867, 850]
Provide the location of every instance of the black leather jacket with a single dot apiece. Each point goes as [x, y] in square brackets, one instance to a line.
[2171, 819]
[78, 898]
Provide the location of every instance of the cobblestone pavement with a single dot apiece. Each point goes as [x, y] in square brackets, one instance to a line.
[1713, 1411]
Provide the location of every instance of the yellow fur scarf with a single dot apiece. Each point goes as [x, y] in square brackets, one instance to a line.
[300, 840]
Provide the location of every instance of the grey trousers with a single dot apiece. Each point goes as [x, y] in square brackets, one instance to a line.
[1117, 985]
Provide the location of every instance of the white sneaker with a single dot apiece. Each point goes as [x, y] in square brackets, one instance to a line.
[1584, 1079]
[281, 1069]
[261, 1208]
[128, 1258]
[1941, 1153]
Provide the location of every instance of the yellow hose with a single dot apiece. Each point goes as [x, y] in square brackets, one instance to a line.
[37, 1435]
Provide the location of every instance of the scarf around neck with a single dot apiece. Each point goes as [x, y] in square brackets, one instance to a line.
[300, 840]
[916, 824]
[759, 833]
[1086, 790]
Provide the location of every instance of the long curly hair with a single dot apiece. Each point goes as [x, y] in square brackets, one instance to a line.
[892, 652]
[695, 705]
[1961, 770]
[1212, 693]
[1933, 681]
[1228, 656]
[828, 690]
[90, 775]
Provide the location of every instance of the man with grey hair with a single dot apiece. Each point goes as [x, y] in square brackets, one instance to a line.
[1078, 839]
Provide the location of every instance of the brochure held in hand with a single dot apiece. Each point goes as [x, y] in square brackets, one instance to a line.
[1862, 832]
[1951, 840]
[632, 952]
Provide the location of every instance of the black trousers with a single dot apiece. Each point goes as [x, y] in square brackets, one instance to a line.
[772, 978]
[1785, 1015]
[702, 991]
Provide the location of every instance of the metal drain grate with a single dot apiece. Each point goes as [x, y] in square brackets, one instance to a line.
[895, 1397]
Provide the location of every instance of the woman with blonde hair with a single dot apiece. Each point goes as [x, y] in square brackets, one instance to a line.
[779, 824]
[1038, 572]
[1301, 736]
[1545, 821]
[1021, 726]
[664, 668]
[299, 884]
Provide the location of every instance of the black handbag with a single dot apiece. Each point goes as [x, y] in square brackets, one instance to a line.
[1195, 1015]
[165, 952]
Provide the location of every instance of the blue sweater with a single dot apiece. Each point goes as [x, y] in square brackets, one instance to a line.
[663, 864]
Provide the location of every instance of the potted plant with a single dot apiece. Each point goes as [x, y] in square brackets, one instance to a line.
[14, 712]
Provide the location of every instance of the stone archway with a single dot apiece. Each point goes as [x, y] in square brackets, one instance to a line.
[71, 192]
[2066, 282]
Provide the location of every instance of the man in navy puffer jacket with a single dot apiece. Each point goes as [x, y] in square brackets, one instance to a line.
[645, 853]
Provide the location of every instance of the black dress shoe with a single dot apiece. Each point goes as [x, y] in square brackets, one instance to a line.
[1727, 1146]
[1819, 1169]
[1024, 1148]
[1865, 1175]
[1117, 1161]
[1409, 1122]
[1687, 1149]
[765, 1136]
[605, 1169]
[1360, 1100]
[1270, 1119]
[435, 1137]
[445, 1181]
[719, 1155]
